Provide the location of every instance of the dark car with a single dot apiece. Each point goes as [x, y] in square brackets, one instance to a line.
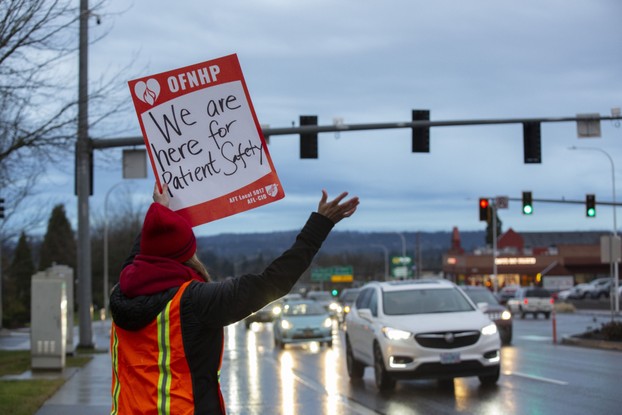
[265, 315]
[487, 302]
[346, 299]
[327, 301]
[506, 293]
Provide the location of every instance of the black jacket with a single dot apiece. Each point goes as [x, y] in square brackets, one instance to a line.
[207, 307]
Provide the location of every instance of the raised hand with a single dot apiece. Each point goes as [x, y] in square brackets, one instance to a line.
[335, 210]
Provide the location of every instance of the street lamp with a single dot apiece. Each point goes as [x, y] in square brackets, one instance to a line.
[616, 277]
[403, 243]
[386, 260]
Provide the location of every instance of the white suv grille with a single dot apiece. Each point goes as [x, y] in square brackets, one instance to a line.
[447, 340]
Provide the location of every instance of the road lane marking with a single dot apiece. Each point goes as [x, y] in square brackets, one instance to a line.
[539, 378]
[536, 338]
[345, 400]
[318, 387]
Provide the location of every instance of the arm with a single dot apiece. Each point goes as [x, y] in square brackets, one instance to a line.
[219, 304]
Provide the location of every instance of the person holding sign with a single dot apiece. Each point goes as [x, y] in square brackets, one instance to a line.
[168, 317]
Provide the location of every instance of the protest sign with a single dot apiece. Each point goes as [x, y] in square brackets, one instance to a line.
[204, 140]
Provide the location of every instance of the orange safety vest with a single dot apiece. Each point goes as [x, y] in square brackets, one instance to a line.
[150, 373]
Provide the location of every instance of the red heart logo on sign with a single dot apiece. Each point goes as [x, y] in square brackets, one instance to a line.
[147, 92]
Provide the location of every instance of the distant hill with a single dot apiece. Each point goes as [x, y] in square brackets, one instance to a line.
[252, 244]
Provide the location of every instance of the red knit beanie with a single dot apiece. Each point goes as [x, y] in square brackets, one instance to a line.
[166, 234]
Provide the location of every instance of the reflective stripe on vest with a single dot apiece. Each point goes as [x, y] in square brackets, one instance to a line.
[150, 373]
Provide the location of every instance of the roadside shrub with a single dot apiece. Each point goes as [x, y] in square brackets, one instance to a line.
[612, 331]
[565, 308]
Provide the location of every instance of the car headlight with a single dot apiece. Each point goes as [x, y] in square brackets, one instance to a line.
[506, 315]
[276, 310]
[489, 330]
[346, 309]
[328, 323]
[334, 307]
[395, 334]
[286, 325]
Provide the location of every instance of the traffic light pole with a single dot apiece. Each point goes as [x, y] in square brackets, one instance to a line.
[83, 190]
[495, 283]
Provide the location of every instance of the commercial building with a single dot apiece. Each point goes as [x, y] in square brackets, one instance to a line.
[552, 259]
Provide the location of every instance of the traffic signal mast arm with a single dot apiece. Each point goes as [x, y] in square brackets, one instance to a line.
[98, 143]
[576, 202]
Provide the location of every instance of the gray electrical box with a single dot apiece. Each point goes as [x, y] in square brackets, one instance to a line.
[48, 333]
[65, 273]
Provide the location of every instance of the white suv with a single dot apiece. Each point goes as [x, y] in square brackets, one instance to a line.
[420, 329]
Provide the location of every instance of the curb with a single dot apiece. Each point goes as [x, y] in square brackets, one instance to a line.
[596, 344]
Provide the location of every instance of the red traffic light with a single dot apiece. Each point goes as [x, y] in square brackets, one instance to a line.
[484, 209]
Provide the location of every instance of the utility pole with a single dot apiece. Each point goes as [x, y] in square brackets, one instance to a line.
[495, 283]
[83, 181]
[386, 260]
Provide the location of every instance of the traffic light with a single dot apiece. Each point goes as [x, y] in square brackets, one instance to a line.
[1, 208]
[308, 141]
[590, 206]
[531, 143]
[421, 135]
[527, 203]
[484, 209]
[334, 292]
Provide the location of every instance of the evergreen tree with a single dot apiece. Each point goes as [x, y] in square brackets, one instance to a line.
[59, 245]
[489, 230]
[19, 278]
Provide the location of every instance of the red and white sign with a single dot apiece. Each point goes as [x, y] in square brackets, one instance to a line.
[204, 140]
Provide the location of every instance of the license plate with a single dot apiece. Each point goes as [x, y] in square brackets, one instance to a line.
[308, 333]
[450, 358]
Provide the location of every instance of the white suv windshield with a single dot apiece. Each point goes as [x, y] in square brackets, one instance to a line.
[424, 301]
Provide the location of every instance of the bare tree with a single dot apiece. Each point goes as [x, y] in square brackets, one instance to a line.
[34, 40]
[38, 111]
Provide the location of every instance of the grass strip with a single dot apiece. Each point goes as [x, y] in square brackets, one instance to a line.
[25, 397]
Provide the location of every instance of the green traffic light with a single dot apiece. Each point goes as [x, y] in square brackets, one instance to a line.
[334, 293]
[590, 206]
[527, 203]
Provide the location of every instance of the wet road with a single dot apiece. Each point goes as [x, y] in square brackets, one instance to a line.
[538, 377]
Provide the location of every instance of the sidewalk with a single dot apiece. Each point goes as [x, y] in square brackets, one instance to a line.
[87, 391]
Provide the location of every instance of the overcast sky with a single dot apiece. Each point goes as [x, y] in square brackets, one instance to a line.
[374, 61]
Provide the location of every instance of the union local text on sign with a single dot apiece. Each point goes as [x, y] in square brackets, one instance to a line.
[204, 140]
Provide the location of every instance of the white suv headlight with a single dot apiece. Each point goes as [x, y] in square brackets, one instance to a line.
[286, 325]
[395, 334]
[489, 330]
